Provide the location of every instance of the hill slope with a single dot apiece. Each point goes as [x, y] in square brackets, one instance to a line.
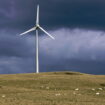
[58, 88]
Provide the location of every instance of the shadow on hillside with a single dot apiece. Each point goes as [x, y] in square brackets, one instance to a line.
[103, 84]
[68, 73]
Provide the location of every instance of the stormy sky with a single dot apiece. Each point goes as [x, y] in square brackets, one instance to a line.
[77, 25]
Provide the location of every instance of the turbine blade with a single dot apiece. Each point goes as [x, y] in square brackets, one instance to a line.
[37, 17]
[32, 29]
[46, 33]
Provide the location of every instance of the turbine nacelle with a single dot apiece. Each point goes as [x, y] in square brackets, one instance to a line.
[37, 26]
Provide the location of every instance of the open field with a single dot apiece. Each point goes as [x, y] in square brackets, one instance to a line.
[56, 88]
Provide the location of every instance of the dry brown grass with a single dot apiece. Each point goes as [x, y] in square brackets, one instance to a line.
[56, 88]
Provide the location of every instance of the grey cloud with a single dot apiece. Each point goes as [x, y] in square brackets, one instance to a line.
[78, 49]
[73, 49]
[75, 44]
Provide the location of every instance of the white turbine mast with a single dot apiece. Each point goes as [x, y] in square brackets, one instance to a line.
[36, 28]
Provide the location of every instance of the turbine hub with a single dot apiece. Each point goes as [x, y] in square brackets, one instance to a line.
[37, 26]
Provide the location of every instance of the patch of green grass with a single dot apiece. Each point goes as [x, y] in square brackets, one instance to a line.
[56, 88]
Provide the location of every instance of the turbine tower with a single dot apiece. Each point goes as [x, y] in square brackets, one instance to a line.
[36, 28]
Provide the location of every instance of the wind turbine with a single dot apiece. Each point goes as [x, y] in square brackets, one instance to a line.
[36, 28]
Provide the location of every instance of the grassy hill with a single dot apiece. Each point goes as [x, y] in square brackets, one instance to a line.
[56, 88]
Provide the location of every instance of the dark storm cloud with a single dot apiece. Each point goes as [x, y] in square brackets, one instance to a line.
[56, 13]
[77, 46]
[14, 13]
[76, 13]
[14, 45]
[16, 65]
[16, 53]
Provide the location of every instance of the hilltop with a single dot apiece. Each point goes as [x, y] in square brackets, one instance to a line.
[54, 88]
